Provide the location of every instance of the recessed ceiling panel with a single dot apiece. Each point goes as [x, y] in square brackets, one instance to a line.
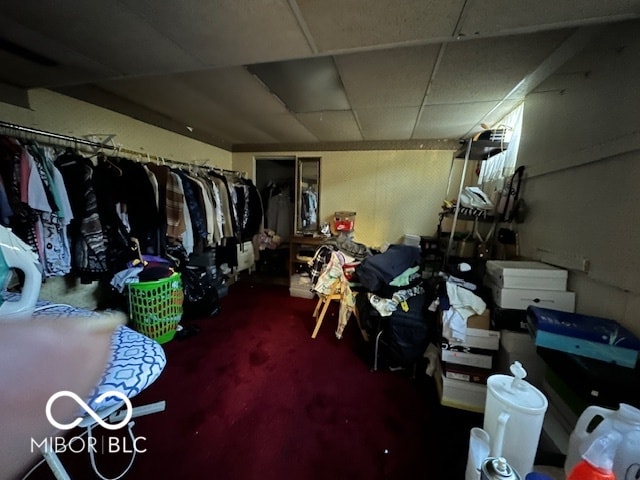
[331, 126]
[308, 85]
[337, 25]
[395, 77]
[489, 69]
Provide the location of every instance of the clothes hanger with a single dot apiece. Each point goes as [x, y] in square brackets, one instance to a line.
[102, 158]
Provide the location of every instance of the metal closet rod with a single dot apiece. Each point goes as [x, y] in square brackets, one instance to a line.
[89, 143]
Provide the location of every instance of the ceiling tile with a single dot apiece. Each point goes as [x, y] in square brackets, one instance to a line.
[235, 89]
[284, 128]
[168, 95]
[106, 33]
[504, 17]
[331, 126]
[392, 123]
[490, 68]
[68, 66]
[307, 85]
[458, 120]
[173, 64]
[336, 25]
[227, 32]
[394, 77]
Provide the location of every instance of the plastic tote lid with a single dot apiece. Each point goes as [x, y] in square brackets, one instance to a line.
[516, 392]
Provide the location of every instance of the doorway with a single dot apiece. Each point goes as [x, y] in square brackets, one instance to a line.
[275, 180]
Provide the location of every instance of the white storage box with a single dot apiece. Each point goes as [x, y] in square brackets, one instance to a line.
[461, 394]
[521, 298]
[479, 338]
[527, 275]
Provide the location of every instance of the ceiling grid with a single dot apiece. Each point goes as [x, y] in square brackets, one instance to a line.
[345, 73]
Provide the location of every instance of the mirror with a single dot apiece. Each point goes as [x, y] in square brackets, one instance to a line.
[307, 195]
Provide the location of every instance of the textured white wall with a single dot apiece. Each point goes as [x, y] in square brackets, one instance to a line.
[581, 149]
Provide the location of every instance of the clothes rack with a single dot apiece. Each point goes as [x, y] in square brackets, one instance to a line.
[116, 148]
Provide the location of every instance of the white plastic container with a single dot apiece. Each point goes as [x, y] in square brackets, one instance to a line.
[625, 420]
[513, 417]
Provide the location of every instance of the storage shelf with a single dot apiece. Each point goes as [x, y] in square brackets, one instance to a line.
[468, 213]
[485, 145]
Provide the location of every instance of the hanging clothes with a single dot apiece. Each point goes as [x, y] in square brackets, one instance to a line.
[12, 162]
[54, 215]
[309, 208]
[279, 214]
[87, 242]
[174, 208]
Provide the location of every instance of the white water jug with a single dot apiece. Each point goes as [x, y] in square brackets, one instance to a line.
[625, 420]
[513, 417]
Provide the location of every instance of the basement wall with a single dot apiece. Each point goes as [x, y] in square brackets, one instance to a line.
[56, 113]
[393, 192]
[581, 150]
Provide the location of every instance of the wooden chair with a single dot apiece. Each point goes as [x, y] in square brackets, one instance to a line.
[323, 303]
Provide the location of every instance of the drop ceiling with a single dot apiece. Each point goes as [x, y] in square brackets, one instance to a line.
[269, 75]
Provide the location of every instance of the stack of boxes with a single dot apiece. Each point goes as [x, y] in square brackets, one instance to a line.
[465, 366]
[514, 286]
[590, 361]
[517, 284]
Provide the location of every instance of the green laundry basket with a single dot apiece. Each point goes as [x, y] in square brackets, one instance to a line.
[155, 307]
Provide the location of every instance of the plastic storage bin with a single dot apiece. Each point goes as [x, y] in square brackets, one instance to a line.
[155, 307]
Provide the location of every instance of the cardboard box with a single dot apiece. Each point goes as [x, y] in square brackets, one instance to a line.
[526, 275]
[465, 373]
[480, 321]
[520, 298]
[468, 356]
[584, 335]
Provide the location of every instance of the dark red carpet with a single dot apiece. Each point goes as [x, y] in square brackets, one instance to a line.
[252, 396]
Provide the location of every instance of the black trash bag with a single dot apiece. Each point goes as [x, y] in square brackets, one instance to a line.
[178, 255]
[200, 294]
